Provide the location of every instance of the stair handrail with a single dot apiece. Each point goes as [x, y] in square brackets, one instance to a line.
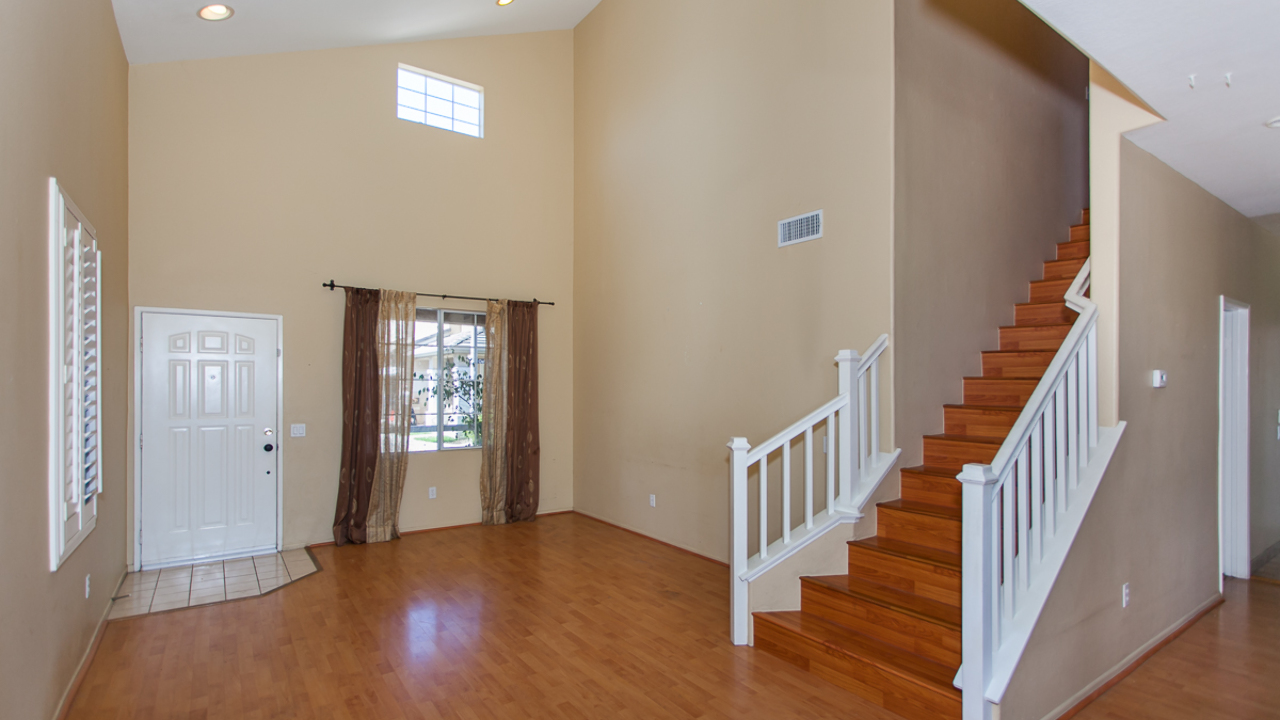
[854, 460]
[1009, 528]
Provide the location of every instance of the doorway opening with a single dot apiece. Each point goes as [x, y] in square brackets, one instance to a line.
[1233, 441]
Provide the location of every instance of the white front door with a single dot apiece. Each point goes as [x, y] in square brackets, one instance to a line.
[209, 437]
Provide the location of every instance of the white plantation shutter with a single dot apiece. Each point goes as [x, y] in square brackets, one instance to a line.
[75, 406]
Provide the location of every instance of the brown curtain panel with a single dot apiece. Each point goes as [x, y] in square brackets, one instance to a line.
[493, 422]
[361, 404]
[523, 451]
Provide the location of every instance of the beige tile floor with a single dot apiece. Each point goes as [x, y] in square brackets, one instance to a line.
[191, 585]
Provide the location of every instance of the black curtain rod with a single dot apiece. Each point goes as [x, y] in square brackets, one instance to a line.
[333, 286]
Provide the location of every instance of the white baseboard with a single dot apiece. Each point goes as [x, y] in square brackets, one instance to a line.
[1129, 660]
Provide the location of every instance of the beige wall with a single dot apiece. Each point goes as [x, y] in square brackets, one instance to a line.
[254, 179]
[63, 80]
[699, 127]
[991, 171]
[1113, 111]
[1154, 522]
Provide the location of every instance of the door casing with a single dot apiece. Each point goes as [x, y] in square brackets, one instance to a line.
[135, 517]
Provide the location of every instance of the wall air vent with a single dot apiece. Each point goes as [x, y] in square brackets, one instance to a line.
[800, 228]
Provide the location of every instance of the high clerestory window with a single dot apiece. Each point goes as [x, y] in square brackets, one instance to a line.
[439, 101]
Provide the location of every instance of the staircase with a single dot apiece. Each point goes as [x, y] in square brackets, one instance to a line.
[889, 631]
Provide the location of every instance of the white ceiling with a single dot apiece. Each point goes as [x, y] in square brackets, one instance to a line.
[1215, 135]
[165, 30]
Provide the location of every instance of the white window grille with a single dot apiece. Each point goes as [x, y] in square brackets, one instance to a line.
[75, 309]
[439, 101]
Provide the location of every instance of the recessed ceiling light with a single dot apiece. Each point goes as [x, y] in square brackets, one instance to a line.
[505, 2]
[218, 12]
[1274, 123]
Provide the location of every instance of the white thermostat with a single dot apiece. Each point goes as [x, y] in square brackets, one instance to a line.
[1159, 379]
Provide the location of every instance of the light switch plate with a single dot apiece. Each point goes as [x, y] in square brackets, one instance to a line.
[431, 493]
[298, 430]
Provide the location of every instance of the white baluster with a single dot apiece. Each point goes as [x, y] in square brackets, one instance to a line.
[738, 469]
[849, 421]
[1073, 430]
[786, 492]
[1007, 564]
[1092, 396]
[832, 433]
[808, 477]
[1022, 515]
[764, 506]
[1037, 492]
[874, 419]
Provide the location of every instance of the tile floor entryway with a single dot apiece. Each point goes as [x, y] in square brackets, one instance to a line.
[190, 585]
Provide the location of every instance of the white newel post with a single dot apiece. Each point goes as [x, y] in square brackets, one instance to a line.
[739, 617]
[850, 423]
[977, 588]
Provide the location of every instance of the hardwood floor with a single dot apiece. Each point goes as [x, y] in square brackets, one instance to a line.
[1224, 666]
[562, 618]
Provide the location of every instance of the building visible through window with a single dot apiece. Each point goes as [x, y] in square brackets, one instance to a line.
[448, 380]
[443, 102]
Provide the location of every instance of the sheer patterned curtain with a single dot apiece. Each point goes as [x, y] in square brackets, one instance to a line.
[493, 423]
[396, 318]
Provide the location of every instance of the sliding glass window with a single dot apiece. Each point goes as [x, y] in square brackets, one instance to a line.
[448, 380]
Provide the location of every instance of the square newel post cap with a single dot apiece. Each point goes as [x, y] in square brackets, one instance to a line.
[848, 356]
[974, 474]
[739, 444]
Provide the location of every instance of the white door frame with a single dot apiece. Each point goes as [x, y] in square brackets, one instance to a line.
[136, 519]
[1233, 440]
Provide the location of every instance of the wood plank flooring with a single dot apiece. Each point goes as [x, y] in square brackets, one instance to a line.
[562, 618]
[1224, 666]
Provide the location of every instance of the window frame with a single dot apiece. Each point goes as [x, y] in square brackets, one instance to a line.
[479, 319]
[75, 376]
[478, 89]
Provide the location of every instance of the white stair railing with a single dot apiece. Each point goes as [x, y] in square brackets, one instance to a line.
[855, 467]
[1022, 511]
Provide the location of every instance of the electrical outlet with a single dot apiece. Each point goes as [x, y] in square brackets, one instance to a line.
[86, 587]
[653, 501]
[431, 493]
[1124, 595]
[298, 430]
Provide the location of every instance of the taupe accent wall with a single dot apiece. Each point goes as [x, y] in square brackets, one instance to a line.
[991, 170]
[700, 125]
[64, 114]
[254, 179]
[1154, 522]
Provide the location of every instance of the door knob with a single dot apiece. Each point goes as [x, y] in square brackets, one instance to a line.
[268, 447]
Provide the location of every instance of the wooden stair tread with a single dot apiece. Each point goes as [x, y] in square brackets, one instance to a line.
[967, 438]
[923, 608]
[1038, 327]
[1057, 303]
[938, 472]
[920, 508]
[986, 408]
[910, 551]
[842, 640]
